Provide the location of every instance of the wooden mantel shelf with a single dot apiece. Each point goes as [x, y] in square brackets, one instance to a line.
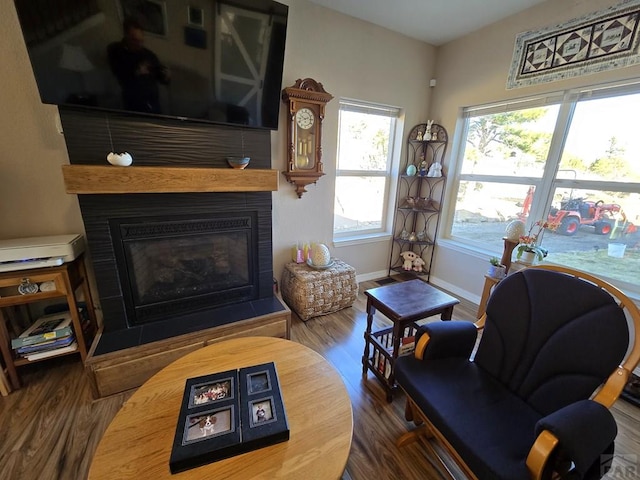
[91, 179]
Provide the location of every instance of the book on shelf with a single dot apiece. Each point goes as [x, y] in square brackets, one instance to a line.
[51, 345]
[44, 329]
[407, 345]
[53, 352]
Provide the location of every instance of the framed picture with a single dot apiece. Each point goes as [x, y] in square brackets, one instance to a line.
[263, 416]
[262, 412]
[204, 425]
[226, 414]
[152, 14]
[204, 393]
[208, 426]
[195, 16]
[258, 382]
[195, 37]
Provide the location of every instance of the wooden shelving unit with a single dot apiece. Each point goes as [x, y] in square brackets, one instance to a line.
[68, 278]
[419, 200]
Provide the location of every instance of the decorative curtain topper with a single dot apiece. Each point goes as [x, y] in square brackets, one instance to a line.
[601, 41]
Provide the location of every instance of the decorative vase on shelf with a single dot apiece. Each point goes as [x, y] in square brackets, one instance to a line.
[528, 258]
[497, 271]
[514, 230]
[238, 162]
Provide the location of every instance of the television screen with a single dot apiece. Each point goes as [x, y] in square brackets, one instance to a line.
[206, 60]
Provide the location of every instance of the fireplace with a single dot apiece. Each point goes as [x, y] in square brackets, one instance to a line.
[180, 244]
[175, 266]
[169, 264]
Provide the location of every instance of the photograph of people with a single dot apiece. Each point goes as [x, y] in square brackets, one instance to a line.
[211, 392]
[262, 411]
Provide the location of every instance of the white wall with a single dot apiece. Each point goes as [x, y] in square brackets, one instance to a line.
[472, 71]
[32, 197]
[352, 59]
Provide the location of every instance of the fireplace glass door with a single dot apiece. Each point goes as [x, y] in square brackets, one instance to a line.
[176, 267]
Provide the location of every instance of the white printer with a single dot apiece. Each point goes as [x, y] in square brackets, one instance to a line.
[36, 252]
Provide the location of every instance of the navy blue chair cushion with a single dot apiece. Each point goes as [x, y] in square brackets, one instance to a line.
[585, 430]
[490, 428]
[455, 338]
[551, 338]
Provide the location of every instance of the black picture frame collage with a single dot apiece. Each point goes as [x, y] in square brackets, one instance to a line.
[228, 413]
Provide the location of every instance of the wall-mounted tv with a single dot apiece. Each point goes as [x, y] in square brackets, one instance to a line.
[208, 60]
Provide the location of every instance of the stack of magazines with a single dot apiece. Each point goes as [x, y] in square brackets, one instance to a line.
[48, 336]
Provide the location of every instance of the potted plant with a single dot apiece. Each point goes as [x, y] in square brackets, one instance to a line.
[496, 269]
[529, 248]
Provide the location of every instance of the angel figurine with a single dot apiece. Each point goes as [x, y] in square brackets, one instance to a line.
[435, 170]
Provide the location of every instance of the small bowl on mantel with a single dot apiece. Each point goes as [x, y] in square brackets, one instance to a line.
[238, 162]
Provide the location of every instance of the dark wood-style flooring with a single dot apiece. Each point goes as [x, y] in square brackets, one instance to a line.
[51, 427]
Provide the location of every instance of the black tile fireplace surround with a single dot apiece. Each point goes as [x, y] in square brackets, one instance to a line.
[122, 329]
[89, 136]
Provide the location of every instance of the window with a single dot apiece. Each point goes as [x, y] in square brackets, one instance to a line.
[364, 175]
[571, 159]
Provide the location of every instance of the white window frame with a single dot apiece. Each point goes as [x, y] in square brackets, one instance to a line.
[544, 186]
[391, 172]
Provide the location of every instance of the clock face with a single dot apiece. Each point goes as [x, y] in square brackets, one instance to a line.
[305, 118]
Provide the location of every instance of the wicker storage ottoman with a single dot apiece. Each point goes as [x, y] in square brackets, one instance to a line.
[310, 292]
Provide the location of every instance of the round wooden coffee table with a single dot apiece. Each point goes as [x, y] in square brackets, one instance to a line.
[137, 444]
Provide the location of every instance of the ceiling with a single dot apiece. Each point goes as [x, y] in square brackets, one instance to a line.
[432, 21]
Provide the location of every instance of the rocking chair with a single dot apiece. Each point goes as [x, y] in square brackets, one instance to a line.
[557, 347]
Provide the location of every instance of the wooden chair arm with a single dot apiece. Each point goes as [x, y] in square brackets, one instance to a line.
[540, 453]
[612, 388]
[421, 346]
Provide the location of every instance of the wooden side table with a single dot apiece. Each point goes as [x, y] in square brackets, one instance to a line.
[489, 283]
[404, 303]
[5, 387]
[67, 278]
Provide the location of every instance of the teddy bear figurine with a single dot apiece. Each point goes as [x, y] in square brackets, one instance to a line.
[408, 258]
[418, 263]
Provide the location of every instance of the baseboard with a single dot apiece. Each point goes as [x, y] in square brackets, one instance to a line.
[455, 290]
[365, 277]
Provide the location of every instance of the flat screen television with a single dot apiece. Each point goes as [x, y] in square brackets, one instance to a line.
[207, 60]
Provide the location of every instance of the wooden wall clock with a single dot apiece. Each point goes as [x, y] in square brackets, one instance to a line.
[306, 100]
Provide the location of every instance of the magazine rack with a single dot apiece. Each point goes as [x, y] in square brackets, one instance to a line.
[63, 282]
